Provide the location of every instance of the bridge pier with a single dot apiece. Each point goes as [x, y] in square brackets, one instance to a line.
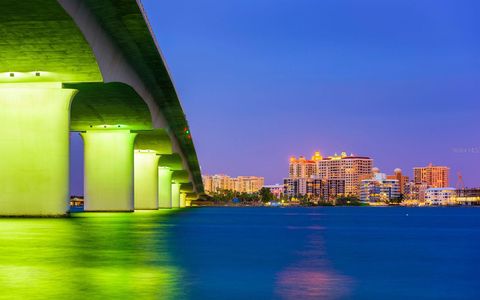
[34, 151]
[164, 187]
[175, 195]
[146, 179]
[109, 168]
[183, 200]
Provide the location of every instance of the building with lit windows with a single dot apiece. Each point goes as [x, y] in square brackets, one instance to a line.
[433, 176]
[301, 167]
[315, 188]
[242, 184]
[467, 196]
[402, 180]
[350, 169]
[216, 183]
[379, 189]
[415, 192]
[440, 196]
[248, 184]
[290, 187]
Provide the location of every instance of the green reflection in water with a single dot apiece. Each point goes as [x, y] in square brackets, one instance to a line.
[89, 256]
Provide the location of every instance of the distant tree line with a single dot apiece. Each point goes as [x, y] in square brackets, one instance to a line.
[264, 195]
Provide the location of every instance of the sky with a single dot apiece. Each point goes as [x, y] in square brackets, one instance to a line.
[262, 80]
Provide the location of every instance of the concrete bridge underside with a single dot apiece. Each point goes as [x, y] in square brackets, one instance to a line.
[91, 67]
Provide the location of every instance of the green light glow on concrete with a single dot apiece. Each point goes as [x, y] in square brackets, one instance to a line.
[111, 105]
[146, 180]
[109, 170]
[183, 198]
[164, 187]
[175, 195]
[39, 36]
[34, 151]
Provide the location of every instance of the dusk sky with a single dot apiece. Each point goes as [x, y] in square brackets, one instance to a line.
[261, 80]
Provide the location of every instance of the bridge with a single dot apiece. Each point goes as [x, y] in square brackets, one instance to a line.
[92, 67]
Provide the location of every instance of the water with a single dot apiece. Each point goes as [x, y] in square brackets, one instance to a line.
[245, 253]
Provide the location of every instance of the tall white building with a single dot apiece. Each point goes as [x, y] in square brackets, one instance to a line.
[352, 169]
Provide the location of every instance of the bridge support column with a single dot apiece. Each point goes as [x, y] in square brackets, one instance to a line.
[109, 170]
[164, 187]
[34, 154]
[146, 179]
[175, 195]
[183, 200]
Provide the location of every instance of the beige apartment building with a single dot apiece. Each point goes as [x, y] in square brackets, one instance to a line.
[242, 184]
[301, 167]
[352, 169]
[433, 176]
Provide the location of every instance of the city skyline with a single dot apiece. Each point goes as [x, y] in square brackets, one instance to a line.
[294, 78]
[317, 155]
[389, 80]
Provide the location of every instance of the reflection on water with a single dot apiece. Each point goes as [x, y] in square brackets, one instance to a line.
[311, 276]
[245, 253]
[104, 256]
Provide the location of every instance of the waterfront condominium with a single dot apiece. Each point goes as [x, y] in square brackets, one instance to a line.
[241, 184]
[353, 169]
[350, 169]
[433, 176]
[379, 189]
[402, 179]
[301, 167]
[440, 196]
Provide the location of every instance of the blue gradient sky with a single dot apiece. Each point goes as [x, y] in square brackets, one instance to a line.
[261, 80]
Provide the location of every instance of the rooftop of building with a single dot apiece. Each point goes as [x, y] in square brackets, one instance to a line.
[318, 157]
[430, 165]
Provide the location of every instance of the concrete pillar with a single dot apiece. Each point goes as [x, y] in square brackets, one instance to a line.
[164, 187]
[34, 149]
[175, 195]
[183, 199]
[146, 179]
[109, 170]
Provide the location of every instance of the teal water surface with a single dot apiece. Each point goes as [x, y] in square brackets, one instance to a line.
[245, 253]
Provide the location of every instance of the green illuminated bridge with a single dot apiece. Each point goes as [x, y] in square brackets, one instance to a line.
[92, 67]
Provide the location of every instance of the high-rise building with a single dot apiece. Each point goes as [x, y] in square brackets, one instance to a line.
[216, 183]
[379, 189]
[315, 188]
[433, 176]
[301, 167]
[402, 180]
[242, 184]
[333, 188]
[249, 184]
[352, 169]
[290, 187]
